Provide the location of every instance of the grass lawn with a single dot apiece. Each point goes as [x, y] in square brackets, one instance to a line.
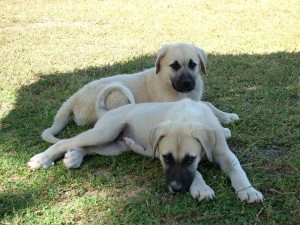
[50, 49]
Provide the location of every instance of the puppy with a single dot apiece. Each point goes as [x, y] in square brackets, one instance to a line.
[180, 134]
[176, 75]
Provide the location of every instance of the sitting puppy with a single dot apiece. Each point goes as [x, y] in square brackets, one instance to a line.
[179, 133]
[177, 75]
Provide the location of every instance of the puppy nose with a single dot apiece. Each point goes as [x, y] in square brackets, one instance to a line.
[186, 83]
[175, 187]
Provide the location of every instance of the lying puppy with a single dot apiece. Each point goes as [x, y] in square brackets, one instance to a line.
[179, 133]
[176, 75]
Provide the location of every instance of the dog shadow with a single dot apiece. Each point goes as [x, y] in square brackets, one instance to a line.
[249, 85]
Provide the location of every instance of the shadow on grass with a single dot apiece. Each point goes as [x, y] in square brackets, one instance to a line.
[262, 89]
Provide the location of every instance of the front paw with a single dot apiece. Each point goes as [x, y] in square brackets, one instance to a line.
[202, 192]
[229, 118]
[250, 195]
[227, 133]
[73, 158]
[40, 161]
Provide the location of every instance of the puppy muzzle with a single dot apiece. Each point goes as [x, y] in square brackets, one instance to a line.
[184, 83]
[179, 179]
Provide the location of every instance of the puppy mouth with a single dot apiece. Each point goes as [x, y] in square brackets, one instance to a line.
[184, 86]
[181, 183]
[177, 188]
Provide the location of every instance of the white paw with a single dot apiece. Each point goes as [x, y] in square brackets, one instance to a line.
[250, 195]
[227, 133]
[40, 161]
[73, 158]
[202, 192]
[230, 117]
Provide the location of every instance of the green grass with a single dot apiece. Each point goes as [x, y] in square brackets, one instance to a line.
[49, 49]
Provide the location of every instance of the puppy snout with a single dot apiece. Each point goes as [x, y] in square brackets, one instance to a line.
[175, 187]
[184, 83]
[178, 178]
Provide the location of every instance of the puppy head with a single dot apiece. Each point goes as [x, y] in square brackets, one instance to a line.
[181, 64]
[180, 147]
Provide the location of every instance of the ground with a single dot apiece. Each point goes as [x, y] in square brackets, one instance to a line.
[49, 49]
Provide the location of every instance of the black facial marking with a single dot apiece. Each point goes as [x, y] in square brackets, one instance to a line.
[192, 64]
[179, 175]
[188, 160]
[168, 158]
[184, 83]
[175, 66]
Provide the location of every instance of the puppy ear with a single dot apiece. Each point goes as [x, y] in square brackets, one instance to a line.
[160, 54]
[157, 133]
[206, 137]
[203, 59]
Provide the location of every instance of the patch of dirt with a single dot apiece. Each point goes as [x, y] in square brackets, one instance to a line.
[132, 192]
[103, 172]
[273, 153]
[99, 193]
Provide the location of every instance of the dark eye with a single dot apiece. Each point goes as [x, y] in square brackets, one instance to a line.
[188, 160]
[168, 158]
[175, 66]
[192, 64]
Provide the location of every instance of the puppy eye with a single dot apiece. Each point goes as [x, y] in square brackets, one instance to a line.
[168, 158]
[188, 160]
[192, 64]
[175, 66]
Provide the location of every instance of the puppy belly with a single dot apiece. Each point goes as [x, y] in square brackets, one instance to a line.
[132, 145]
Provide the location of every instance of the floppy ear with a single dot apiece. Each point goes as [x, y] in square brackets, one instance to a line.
[160, 54]
[157, 133]
[206, 137]
[203, 59]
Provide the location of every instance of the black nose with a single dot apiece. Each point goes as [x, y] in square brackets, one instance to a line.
[186, 83]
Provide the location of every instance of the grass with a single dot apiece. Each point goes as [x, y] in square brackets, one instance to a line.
[49, 49]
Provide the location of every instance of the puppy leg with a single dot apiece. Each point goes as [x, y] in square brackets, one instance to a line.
[99, 135]
[231, 165]
[74, 157]
[224, 117]
[227, 132]
[200, 190]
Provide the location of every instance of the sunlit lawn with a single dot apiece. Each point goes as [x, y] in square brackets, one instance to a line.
[49, 49]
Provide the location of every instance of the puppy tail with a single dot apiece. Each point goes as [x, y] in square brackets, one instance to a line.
[115, 86]
[61, 119]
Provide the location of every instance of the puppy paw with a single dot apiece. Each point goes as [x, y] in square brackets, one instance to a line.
[229, 118]
[227, 133]
[250, 195]
[202, 192]
[73, 158]
[40, 161]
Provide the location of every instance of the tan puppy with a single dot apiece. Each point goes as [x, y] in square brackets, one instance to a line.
[176, 75]
[179, 133]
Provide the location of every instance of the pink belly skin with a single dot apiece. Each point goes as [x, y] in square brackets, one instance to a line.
[131, 144]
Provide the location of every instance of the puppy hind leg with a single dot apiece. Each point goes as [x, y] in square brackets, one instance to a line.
[110, 149]
[74, 157]
[226, 132]
[99, 135]
[224, 117]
